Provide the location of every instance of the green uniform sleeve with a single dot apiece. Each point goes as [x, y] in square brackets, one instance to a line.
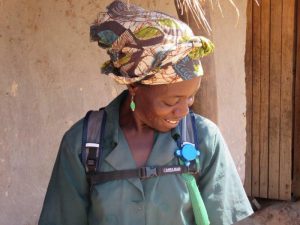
[219, 183]
[66, 201]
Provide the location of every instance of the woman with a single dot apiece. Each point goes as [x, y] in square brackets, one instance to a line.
[157, 57]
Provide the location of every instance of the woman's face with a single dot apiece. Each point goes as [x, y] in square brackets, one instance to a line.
[161, 107]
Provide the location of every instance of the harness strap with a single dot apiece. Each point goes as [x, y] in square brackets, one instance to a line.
[188, 130]
[142, 173]
[92, 137]
[93, 130]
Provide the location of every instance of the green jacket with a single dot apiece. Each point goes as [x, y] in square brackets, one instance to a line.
[161, 200]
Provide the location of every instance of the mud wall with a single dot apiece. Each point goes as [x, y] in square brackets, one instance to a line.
[49, 78]
[229, 34]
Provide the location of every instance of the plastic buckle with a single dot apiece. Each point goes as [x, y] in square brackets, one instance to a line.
[92, 154]
[147, 172]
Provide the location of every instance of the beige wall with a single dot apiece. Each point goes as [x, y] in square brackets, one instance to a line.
[229, 35]
[49, 73]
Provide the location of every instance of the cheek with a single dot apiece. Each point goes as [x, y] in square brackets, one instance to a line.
[155, 111]
[160, 111]
[151, 108]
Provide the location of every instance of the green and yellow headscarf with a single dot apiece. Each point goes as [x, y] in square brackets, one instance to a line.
[148, 46]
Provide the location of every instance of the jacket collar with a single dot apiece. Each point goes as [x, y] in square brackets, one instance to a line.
[112, 121]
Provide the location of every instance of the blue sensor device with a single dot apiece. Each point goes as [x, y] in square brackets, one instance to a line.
[187, 153]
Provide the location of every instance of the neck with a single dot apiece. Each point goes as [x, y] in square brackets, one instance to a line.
[129, 120]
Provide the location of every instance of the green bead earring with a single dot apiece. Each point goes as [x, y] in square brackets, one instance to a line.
[132, 104]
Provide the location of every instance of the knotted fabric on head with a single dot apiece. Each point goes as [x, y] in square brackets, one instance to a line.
[147, 46]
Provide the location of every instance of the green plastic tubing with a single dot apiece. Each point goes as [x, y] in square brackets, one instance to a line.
[199, 209]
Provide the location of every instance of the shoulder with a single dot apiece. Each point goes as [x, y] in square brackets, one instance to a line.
[75, 129]
[219, 181]
[212, 145]
[72, 139]
[208, 131]
[205, 124]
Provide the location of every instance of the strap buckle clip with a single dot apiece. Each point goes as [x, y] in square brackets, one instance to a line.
[148, 172]
[92, 154]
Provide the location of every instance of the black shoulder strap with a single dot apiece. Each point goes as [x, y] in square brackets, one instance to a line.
[193, 129]
[93, 130]
[188, 130]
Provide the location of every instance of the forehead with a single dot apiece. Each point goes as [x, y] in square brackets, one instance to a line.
[180, 89]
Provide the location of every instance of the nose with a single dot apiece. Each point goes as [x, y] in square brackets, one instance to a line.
[182, 109]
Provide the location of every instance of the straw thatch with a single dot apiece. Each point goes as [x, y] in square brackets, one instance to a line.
[196, 8]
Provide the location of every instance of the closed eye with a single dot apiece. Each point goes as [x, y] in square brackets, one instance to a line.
[174, 101]
[171, 102]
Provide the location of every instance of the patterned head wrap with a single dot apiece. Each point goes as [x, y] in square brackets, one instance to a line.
[147, 46]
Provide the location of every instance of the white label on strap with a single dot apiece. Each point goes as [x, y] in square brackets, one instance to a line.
[95, 145]
[172, 169]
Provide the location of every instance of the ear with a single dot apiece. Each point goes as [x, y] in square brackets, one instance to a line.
[132, 88]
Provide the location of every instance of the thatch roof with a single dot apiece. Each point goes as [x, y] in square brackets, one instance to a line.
[196, 8]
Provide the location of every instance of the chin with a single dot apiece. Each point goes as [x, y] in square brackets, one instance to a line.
[166, 128]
